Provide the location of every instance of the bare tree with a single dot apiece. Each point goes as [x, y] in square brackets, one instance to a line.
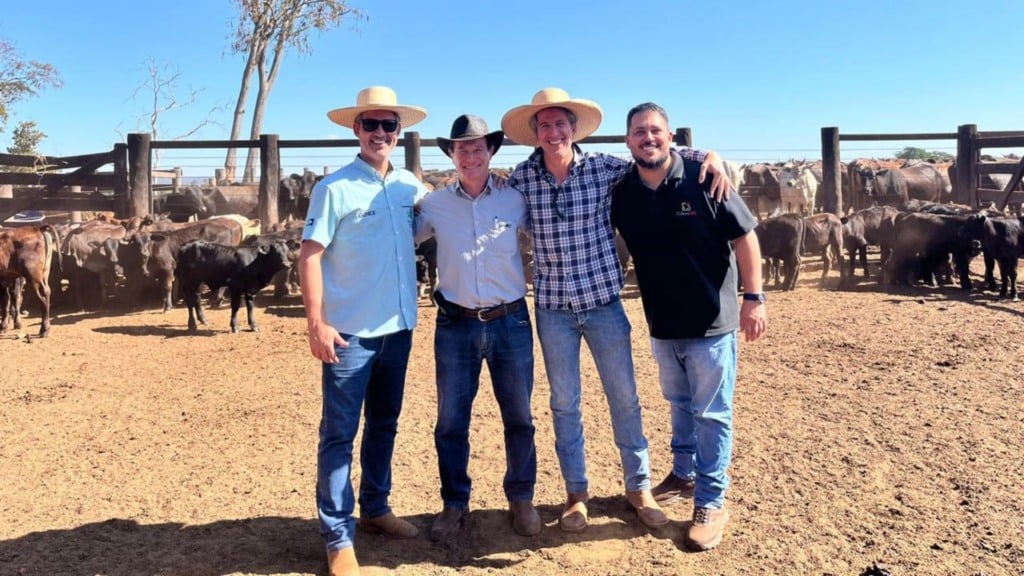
[265, 30]
[160, 93]
[20, 78]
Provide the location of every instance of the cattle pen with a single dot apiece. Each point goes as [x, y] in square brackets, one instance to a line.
[969, 143]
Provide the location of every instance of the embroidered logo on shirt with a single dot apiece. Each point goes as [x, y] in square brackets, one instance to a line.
[310, 221]
[685, 210]
[365, 213]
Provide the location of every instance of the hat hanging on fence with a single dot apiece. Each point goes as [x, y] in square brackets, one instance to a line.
[377, 98]
[516, 122]
[470, 127]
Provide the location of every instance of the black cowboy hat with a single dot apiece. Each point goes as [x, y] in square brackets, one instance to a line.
[470, 127]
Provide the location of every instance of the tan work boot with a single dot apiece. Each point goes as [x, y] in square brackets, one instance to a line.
[449, 521]
[342, 562]
[389, 525]
[574, 514]
[647, 508]
[672, 489]
[705, 531]
[525, 520]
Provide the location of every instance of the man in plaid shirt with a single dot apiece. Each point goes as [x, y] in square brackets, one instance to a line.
[577, 282]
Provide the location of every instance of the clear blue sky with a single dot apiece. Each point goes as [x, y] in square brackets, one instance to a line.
[754, 80]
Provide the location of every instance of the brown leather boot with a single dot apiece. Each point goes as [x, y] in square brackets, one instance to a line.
[389, 525]
[672, 489]
[448, 522]
[706, 529]
[574, 514]
[525, 520]
[647, 508]
[342, 562]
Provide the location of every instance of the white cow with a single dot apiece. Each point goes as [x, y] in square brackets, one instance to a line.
[797, 188]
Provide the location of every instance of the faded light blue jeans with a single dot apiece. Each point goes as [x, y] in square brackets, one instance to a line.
[606, 330]
[368, 379]
[698, 377]
[461, 345]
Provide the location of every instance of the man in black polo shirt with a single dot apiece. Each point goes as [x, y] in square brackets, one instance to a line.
[686, 247]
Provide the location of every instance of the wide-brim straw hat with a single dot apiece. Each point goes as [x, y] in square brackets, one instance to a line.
[470, 127]
[516, 122]
[377, 98]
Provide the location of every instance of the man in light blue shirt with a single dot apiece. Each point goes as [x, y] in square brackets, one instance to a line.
[358, 274]
[482, 315]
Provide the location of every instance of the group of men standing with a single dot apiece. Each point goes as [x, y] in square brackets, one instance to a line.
[358, 279]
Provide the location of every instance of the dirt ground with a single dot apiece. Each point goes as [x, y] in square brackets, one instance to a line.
[871, 426]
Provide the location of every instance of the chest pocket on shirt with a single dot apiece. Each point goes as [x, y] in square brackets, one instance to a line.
[503, 237]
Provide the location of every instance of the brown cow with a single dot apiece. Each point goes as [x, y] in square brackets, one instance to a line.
[927, 181]
[27, 253]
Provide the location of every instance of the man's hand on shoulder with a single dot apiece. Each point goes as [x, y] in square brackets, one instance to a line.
[720, 183]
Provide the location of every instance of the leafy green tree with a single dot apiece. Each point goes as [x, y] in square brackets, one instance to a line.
[264, 32]
[25, 139]
[912, 153]
[20, 78]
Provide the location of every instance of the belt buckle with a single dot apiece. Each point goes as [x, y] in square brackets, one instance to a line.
[480, 314]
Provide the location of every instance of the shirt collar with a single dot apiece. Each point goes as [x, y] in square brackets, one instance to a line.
[676, 172]
[370, 170]
[536, 159]
[458, 191]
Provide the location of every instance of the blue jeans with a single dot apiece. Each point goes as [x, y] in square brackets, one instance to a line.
[698, 376]
[606, 331]
[369, 378]
[460, 347]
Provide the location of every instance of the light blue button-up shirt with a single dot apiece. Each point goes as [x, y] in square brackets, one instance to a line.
[365, 224]
[478, 260]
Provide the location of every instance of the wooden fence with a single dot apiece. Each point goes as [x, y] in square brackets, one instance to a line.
[966, 189]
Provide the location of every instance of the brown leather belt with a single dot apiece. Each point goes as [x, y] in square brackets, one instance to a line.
[494, 312]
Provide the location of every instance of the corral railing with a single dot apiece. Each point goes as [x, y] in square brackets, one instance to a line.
[49, 186]
[969, 167]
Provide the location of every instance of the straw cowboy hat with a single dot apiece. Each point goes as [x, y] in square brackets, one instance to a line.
[516, 122]
[470, 127]
[377, 98]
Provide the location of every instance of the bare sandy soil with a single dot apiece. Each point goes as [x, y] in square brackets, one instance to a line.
[871, 426]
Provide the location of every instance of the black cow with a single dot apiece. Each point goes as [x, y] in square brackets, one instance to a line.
[1002, 241]
[286, 281]
[823, 234]
[781, 239]
[923, 242]
[862, 229]
[244, 270]
[426, 267]
[293, 195]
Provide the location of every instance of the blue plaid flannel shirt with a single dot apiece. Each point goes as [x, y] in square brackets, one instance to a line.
[575, 263]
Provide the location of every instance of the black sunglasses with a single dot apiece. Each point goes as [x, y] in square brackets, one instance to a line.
[371, 124]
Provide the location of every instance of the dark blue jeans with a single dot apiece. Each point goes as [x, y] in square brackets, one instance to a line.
[369, 378]
[461, 345]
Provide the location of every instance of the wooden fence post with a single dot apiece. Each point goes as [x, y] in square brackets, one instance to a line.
[684, 138]
[965, 189]
[831, 174]
[140, 201]
[412, 154]
[124, 206]
[270, 172]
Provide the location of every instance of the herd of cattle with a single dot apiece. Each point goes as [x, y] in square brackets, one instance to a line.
[920, 238]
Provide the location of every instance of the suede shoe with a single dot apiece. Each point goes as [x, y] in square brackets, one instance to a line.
[342, 562]
[574, 514]
[525, 520]
[647, 509]
[705, 531]
[673, 489]
[389, 525]
[448, 522]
